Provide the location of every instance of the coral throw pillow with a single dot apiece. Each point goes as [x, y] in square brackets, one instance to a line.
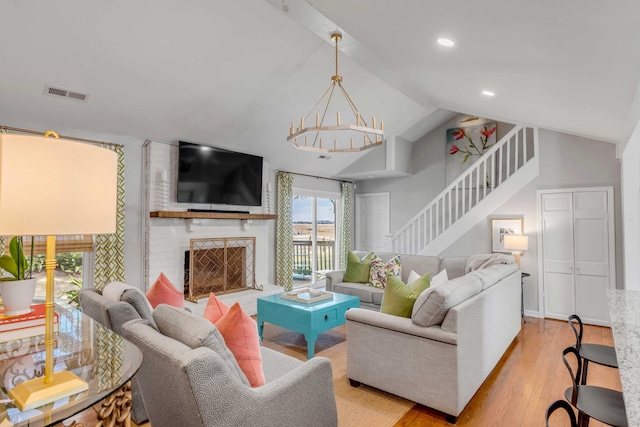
[163, 292]
[240, 333]
[215, 309]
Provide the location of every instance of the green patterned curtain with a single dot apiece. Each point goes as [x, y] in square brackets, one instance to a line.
[2, 130]
[109, 248]
[346, 203]
[284, 231]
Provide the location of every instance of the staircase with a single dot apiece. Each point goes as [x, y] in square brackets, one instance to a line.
[494, 178]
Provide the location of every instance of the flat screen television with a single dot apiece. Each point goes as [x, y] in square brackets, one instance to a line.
[216, 176]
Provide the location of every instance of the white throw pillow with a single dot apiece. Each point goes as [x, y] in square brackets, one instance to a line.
[436, 280]
[413, 276]
[439, 278]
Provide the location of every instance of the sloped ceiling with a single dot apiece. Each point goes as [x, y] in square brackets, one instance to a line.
[236, 74]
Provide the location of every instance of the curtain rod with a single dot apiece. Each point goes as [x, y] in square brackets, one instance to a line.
[35, 132]
[317, 177]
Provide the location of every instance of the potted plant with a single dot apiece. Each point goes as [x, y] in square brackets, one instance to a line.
[17, 287]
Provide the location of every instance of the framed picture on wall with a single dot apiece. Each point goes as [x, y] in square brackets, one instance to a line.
[501, 227]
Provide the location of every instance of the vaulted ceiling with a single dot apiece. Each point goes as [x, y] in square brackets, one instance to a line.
[235, 74]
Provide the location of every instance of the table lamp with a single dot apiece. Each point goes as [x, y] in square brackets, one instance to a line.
[52, 187]
[516, 244]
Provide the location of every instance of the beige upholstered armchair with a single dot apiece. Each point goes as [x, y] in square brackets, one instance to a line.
[190, 378]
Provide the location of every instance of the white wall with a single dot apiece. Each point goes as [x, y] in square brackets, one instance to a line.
[631, 205]
[565, 161]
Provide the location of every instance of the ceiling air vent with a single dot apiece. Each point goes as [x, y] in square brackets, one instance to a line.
[64, 93]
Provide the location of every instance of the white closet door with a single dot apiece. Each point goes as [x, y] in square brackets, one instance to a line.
[591, 230]
[578, 262]
[557, 229]
[372, 222]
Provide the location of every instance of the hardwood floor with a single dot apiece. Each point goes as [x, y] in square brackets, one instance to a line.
[527, 379]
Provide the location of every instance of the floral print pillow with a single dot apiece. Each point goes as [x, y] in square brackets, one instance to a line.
[380, 270]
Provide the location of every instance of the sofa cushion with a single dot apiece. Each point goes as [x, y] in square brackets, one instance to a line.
[366, 293]
[136, 298]
[421, 264]
[358, 269]
[194, 331]
[454, 265]
[380, 270]
[491, 275]
[432, 305]
[276, 364]
[399, 297]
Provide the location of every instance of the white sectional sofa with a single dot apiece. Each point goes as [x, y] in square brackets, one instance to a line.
[442, 354]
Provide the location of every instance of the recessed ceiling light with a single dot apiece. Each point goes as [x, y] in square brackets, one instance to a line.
[446, 42]
[488, 93]
[371, 176]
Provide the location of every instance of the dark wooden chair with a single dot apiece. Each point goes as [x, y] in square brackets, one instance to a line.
[603, 404]
[601, 354]
[564, 405]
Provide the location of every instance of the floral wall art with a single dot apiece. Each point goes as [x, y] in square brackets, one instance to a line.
[465, 145]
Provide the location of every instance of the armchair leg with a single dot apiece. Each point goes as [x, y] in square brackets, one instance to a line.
[354, 383]
[451, 419]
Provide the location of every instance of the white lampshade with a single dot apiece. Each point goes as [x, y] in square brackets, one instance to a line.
[54, 186]
[516, 243]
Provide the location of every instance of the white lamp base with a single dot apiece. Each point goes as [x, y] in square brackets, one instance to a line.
[516, 255]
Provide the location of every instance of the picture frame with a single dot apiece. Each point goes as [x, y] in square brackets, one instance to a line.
[501, 227]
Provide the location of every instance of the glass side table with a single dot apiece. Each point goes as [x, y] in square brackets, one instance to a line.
[104, 359]
[524, 318]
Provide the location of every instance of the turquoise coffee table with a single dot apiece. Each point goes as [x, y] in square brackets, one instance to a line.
[308, 319]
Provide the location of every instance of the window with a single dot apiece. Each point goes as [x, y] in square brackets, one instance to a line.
[73, 253]
[314, 235]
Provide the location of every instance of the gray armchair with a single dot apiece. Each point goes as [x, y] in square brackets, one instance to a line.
[113, 314]
[190, 378]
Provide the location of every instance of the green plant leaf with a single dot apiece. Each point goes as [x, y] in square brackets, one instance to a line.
[9, 265]
[465, 158]
[17, 253]
[14, 248]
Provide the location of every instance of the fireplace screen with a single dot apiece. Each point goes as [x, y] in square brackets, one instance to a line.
[220, 265]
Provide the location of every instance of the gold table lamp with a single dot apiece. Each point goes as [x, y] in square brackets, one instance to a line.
[30, 163]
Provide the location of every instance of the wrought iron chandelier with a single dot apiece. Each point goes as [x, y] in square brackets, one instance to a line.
[338, 137]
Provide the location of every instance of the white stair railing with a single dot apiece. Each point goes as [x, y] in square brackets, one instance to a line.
[515, 150]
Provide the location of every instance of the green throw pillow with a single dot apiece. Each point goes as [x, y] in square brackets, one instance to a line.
[398, 298]
[358, 269]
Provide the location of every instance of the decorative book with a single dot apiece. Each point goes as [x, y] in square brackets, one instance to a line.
[25, 325]
[307, 296]
[31, 331]
[34, 318]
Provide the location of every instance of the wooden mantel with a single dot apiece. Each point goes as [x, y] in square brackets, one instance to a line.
[209, 215]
